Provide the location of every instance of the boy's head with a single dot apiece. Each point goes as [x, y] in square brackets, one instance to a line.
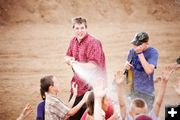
[49, 84]
[138, 106]
[80, 27]
[140, 38]
[79, 20]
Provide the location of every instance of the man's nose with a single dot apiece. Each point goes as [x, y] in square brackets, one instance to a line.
[79, 30]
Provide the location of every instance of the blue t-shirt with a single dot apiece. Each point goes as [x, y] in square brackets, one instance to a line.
[40, 111]
[142, 81]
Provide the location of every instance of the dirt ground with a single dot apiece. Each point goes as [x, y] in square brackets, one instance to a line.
[34, 38]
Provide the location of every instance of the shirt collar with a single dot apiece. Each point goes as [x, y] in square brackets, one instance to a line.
[83, 38]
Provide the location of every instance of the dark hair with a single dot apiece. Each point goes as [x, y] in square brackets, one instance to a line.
[79, 20]
[90, 103]
[45, 82]
[140, 38]
[178, 60]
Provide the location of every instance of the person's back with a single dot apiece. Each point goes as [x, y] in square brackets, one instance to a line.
[40, 111]
[54, 108]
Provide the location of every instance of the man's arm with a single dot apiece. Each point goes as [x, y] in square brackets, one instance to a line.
[148, 68]
[119, 77]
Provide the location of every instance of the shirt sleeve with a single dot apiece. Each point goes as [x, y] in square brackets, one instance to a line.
[69, 50]
[59, 109]
[153, 58]
[130, 55]
[95, 54]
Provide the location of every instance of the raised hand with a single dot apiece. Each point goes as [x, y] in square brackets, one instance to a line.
[26, 111]
[119, 77]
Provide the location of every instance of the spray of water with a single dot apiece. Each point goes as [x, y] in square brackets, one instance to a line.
[95, 79]
[91, 76]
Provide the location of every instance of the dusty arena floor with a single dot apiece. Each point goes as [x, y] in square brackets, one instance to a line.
[31, 49]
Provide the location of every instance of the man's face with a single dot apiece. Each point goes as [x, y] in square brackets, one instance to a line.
[140, 48]
[80, 31]
[56, 85]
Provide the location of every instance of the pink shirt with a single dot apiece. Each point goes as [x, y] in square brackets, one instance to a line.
[87, 50]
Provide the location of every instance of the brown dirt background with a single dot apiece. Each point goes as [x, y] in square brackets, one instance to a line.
[34, 36]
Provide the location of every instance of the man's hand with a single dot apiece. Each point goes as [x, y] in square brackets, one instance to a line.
[139, 49]
[69, 60]
[127, 65]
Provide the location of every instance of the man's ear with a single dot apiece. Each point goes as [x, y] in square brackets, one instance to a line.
[50, 88]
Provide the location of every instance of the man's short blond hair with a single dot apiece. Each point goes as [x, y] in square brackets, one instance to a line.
[79, 20]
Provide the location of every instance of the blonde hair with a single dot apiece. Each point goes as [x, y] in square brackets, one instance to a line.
[139, 103]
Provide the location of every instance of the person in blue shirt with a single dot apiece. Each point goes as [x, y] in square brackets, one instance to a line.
[40, 112]
[142, 59]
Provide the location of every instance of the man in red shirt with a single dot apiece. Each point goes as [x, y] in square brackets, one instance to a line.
[86, 51]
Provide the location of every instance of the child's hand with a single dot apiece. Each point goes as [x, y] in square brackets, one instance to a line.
[85, 97]
[119, 77]
[26, 111]
[167, 71]
[74, 88]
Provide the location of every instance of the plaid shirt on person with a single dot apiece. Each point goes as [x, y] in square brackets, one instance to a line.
[55, 109]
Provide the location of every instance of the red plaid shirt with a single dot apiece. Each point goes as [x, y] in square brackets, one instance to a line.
[87, 50]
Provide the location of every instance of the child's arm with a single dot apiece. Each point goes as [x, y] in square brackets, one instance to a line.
[26, 111]
[119, 77]
[71, 102]
[164, 80]
[76, 108]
